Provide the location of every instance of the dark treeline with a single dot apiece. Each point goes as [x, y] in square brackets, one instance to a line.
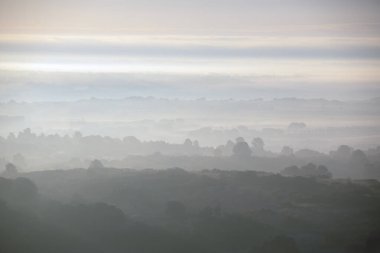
[29, 143]
[29, 151]
[109, 210]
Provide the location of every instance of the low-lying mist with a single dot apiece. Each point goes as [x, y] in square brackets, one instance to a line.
[317, 124]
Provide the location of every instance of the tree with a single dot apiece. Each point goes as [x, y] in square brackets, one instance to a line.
[19, 160]
[291, 171]
[287, 151]
[77, 135]
[242, 150]
[240, 139]
[294, 126]
[10, 171]
[308, 170]
[132, 141]
[258, 145]
[96, 164]
[11, 137]
[323, 172]
[188, 143]
[358, 158]
[342, 153]
[188, 146]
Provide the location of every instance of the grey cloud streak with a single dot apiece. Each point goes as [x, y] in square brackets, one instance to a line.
[355, 51]
[41, 86]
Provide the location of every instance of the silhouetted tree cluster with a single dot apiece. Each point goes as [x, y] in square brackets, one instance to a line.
[309, 170]
[28, 151]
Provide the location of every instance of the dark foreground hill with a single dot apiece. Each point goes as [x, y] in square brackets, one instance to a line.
[114, 210]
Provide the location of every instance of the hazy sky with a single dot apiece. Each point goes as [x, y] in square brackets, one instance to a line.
[208, 48]
[188, 17]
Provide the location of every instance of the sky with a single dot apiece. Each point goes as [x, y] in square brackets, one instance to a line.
[67, 50]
